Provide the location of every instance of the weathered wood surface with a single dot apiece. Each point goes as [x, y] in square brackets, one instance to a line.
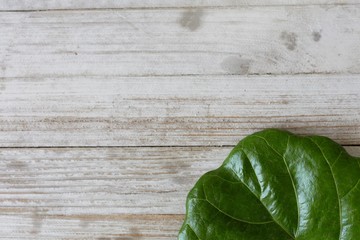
[100, 193]
[37, 225]
[108, 4]
[175, 111]
[241, 41]
[93, 193]
[173, 79]
[151, 180]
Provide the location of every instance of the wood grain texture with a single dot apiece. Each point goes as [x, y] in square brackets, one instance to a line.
[156, 74]
[103, 180]
[175, 111]
[154, 42]
[35, 224]
[100, 193]
[87, 193]
[106, 4]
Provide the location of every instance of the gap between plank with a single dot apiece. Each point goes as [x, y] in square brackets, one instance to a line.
[144, 146]
[122, 146]
[184, 75]
[183, 7]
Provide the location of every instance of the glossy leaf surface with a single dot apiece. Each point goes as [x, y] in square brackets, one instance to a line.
[280, 186]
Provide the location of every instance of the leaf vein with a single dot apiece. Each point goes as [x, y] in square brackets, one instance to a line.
[336, 187]
[193, 231]
[291, 178]
[228, 215]
[355, 186]
[292, 237]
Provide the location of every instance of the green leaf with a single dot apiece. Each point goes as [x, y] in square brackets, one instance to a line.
[277, 185]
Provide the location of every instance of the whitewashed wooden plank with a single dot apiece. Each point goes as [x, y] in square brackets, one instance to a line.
[106, 4]
[103, 181]
[35, 224]
[97, 193]
[253, 40]
[181, 111]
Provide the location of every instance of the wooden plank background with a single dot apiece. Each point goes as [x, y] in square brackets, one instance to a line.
[111, 110]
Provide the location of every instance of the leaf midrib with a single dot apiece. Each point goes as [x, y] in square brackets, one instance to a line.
[292, 237]
[291, 177]
[336, 186]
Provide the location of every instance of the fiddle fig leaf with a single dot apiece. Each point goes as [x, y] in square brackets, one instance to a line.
[280, 186]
